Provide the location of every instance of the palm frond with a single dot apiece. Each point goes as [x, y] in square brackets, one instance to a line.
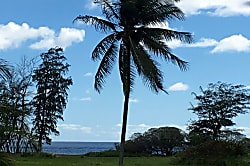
[159, 11]
[147, 68]
[127, 72]
[105, 67]
[99, 24]
[102, 47]
[166, 34]
[154, 42]
[5, 70]
[109, 9]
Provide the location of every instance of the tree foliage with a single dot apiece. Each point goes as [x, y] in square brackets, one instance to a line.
[15, 109]
[5, 69]
[51, 96]
[159, 141]
[216, 108]
[135, 40]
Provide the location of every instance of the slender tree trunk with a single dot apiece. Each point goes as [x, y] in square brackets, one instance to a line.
[124, 127]
[126, 81]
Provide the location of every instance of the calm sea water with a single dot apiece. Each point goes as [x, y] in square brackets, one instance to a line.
[77, 147]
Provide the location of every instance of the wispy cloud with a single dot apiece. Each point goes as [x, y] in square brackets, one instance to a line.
[203, 42]
[141, 128]
[134, 100]
[222, 8]
[76, 127]
[248, 86]
[90, 5]
[85, 99]
[14, 35]
[246, 131]
[82, 99]
[89, 74]
[233, 43]
[179, 86]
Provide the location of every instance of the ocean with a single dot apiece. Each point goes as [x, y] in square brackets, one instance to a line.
[76, 148]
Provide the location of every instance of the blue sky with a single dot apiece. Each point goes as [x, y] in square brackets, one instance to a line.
[220, 52]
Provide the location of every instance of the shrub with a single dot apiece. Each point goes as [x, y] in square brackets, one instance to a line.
[211, 153]
[5, 160]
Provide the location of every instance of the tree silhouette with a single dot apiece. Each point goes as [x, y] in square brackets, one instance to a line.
[51, 98]
[135, 41]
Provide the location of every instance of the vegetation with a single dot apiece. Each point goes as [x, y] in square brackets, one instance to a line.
[5, 70]
[51, 97]
[216, 107]
[112, 161]
[155, 141]
[15, 109]
[18, 105]
[135, 42]
[90, 161]
[6, 160]
[215, 153]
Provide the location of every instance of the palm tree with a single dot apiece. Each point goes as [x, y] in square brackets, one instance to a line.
[135, 40]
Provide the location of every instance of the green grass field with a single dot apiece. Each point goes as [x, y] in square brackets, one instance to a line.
[90, 161]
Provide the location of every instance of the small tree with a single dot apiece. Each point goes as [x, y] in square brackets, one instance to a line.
[51, 98]
[159, 141]
[217, 106]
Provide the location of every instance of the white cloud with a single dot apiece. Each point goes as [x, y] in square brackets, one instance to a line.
[163, 25]
[134, 100]
[76, 127]
[175, 44]
[246, 131]
[82, 99]
[237, 43]
[14, 35]
[88, 74]
[204, 42]
[248, 87]
[178, 87]
[86, 99]
[141, 128]
[66, 38]
[91, 5]
[222, 8]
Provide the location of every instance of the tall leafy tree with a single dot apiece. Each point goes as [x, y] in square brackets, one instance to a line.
[135, 40]
[24, 71]
[15, 108]
[216, 108]
[51, 98]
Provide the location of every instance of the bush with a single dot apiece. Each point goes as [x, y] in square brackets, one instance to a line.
[211, 153]
[5, 160]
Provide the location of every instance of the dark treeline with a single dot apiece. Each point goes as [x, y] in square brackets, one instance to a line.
[32, 100]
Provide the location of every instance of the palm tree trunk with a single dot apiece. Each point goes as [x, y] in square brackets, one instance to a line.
[124, 127]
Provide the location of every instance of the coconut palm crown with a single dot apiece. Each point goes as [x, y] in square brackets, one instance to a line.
[135, 40]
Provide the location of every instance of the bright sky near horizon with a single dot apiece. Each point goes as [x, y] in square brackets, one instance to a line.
[220, 52]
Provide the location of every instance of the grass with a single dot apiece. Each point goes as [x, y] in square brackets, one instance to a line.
[90, 161]
[99, 159]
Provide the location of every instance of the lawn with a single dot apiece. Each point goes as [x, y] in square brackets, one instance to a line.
[90, 161]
